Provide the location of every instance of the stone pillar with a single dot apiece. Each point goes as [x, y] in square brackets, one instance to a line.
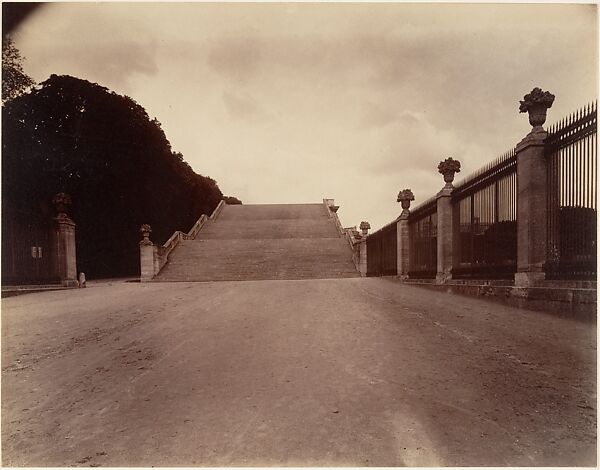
[64, 256]
[148, 252]
[64, 252]
[402, 237]
[364, 228]
[402, 245]
[531, 192]
[445, 230]
[331, 204]
[362, 265]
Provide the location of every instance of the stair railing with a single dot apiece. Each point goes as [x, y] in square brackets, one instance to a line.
[328, 203]
[178, 235]
[344, 232]
[161, 252]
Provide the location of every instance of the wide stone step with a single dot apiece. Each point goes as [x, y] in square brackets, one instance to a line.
[254, 276]
[273, 211]
[259, 242]
[268, 229]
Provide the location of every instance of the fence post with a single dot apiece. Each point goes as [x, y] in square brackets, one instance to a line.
[64, 256]
[362, 257]
[148, 253]
[402, 234]
[364, 228]
[445, 220]
[532, 192]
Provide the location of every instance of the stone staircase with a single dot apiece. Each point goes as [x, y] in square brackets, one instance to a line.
[263, 241]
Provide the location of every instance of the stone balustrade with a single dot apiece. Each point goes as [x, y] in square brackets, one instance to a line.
[154, 257]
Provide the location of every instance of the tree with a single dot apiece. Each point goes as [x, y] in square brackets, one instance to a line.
[14, 80]
[232, 200]
[116, 163]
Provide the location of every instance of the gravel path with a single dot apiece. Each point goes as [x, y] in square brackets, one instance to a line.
[361, 372]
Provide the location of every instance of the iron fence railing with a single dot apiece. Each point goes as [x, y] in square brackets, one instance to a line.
[27, 250]
[422, 229]
[485, 221]
[382, 251]
[571, 152]
[484, 214]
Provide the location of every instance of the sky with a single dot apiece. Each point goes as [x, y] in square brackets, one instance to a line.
[293, 103]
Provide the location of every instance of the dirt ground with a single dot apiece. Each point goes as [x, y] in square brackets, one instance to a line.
[348, 372]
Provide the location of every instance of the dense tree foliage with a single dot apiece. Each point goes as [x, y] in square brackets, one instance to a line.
[117, 164]
[231, 200]
[14, 80]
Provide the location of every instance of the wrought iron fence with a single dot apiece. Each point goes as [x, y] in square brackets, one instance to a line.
[485, 224]
[422, 228]
[382, 252]
[571, 152]
[485, 215]
[26, 248]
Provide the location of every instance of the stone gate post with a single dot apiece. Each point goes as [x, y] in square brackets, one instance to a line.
[364, 228]
[402, 237]
[148, 252]
[362, 257]
[532, 191]
[445, 230]
[63, 248]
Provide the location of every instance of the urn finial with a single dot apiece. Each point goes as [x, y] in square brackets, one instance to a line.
[145, 230]
[404, 198]
[365, 226]
[62, 201]
[536, 104]
[448, 168]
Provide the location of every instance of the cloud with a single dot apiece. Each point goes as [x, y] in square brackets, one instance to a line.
[236, 59]
[87, 44]
[116, 63]
[410, 141]
[351, 101]
[377, 116]
[242, 107]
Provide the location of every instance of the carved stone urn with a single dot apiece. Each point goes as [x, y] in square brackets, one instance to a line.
[448, 168]
[404, 198]
[536, 104]
[61, 201]
[145, 230]
[364, 227]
